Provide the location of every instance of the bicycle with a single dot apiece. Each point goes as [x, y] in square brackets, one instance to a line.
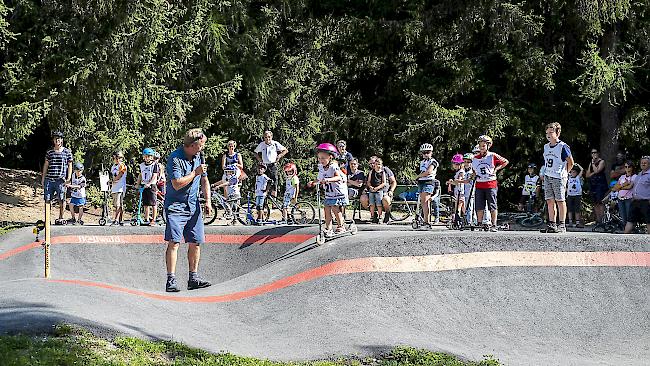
[406, 201]
[230, 208]
[301, 213]
[610, 222]
[533, 220]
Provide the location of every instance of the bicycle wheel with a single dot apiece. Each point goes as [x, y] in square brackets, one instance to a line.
[599, 228]
[208, 219]
[400, 210]
[532, 221]
[240, 213]
[303, 213]
[612, 228]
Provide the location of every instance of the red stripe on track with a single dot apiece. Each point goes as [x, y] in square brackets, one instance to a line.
[340, 267]
[432, 263]
[19, 250]
[158, 239]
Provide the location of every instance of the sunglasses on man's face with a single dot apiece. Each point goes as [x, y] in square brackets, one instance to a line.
[594, 152]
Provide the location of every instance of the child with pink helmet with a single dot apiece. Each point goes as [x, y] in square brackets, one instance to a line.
[334, 181]
[458, 182]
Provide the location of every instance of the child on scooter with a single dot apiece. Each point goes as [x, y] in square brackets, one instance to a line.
[334, 181]
[459, 184]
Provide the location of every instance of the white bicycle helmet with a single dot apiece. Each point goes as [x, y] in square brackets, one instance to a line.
[426, 147]
[485, 138]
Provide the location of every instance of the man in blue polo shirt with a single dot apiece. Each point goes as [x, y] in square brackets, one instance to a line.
[186, 171]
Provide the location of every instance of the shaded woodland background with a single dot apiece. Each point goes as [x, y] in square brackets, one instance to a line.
[384, 75]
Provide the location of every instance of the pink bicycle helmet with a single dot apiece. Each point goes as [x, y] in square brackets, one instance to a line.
[291, 167]
[457, 159]
[328, 148]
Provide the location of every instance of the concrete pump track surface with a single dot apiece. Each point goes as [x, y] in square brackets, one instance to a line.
[526, 298]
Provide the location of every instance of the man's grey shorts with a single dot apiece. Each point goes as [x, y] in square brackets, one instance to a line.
[555, 188]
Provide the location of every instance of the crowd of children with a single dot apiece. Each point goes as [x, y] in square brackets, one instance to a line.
[474, 184]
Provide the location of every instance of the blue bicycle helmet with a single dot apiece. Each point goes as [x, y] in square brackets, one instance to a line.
[78, 166]
[148, 151]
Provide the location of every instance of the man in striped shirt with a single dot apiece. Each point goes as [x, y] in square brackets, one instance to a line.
[57, 171]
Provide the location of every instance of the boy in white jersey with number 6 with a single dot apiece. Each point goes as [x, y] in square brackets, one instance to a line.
[558, 162]
[486, 164]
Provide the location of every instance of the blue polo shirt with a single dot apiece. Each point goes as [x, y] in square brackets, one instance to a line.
[184, 200]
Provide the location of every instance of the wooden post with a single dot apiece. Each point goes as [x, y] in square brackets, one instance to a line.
[46, 244]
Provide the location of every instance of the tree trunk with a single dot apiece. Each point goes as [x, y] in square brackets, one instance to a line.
[609, 113]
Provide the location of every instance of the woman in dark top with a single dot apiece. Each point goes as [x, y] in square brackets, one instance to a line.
[597, 183]
[356, 179]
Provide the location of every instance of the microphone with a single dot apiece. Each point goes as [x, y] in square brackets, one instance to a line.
[202, 156]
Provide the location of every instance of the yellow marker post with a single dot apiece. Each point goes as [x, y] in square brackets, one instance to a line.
[46, 244]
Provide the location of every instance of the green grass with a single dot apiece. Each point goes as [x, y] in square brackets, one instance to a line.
[6, 229]
[69, 345]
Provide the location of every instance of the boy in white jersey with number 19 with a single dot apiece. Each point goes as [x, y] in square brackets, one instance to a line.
[334, 181]
[486, 164]
[558, 162]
